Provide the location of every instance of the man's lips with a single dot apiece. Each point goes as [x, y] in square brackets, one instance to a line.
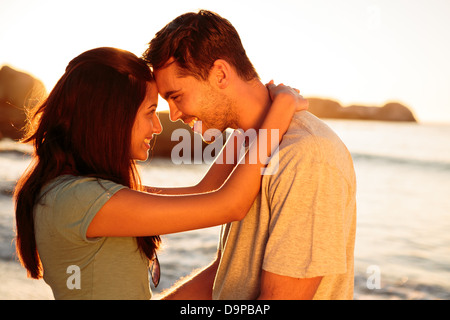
[194, 123]
[191, 122]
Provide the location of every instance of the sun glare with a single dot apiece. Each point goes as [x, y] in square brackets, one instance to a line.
[353, 51]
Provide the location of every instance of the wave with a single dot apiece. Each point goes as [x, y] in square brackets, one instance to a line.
[21, 152]
[423, 163]
[10, 146]
[399, 290]
[14, 155]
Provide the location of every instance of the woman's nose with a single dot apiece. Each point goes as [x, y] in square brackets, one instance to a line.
[157, 127]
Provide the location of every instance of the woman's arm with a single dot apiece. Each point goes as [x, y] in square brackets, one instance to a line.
[132, 213]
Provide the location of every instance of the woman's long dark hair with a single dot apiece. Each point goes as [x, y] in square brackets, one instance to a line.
[83, 128]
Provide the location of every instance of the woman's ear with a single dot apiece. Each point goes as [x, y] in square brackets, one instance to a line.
[221, 73]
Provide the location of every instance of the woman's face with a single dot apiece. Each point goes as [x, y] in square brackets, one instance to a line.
[146, 124]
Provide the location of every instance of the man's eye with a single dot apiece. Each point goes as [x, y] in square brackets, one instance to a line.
[176, 98]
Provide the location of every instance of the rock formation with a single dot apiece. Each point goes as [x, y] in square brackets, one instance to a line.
[18, 91]
[163, 145]
[324, 108]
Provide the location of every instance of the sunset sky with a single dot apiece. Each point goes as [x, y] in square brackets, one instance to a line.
[354, 51]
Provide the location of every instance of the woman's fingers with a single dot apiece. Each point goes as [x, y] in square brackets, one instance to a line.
[274, 90]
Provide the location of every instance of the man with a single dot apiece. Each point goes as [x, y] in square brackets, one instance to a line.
[297, 241]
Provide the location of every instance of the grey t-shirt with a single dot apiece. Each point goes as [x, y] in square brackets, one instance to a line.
[77, 267]
[303, 222]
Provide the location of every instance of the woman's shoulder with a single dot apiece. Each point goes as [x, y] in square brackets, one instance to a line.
[79, 186]
[64, 182]
[76, 197]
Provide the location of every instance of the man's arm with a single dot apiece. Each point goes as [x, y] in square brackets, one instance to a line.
[278, 287]
[197, 286]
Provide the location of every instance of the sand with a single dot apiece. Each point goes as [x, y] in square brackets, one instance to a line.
[14, 284]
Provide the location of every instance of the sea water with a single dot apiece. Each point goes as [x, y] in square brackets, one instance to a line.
[403, 198]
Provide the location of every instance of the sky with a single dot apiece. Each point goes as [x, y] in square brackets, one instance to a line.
[366, 52]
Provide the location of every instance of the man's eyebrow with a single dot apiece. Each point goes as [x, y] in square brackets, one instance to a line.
[169, 93]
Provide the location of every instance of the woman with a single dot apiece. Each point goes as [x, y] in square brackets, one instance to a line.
[83, 220]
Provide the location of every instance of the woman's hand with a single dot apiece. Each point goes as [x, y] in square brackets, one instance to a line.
[288, 94]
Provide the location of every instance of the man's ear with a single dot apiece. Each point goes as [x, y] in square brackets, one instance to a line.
[221, 73]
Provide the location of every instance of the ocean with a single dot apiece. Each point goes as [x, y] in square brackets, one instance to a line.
[403, 199]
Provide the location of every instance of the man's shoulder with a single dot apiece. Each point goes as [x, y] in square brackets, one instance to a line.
[309, 134]
[305, 126]
[310, 142]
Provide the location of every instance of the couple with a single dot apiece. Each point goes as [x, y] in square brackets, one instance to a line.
[91, 230]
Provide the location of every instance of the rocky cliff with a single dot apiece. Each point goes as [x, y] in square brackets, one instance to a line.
[394, 111]
[163, 145]
[18, 91]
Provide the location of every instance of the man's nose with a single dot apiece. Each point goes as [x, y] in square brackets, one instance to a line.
[175, 114]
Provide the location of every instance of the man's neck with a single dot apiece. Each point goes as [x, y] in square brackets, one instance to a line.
[252, 104]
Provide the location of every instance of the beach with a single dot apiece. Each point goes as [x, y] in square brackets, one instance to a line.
[402, 245]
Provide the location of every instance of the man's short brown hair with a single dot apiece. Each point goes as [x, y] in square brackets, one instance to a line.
[196, 41]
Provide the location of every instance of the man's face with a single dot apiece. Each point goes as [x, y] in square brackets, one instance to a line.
[193, 100]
